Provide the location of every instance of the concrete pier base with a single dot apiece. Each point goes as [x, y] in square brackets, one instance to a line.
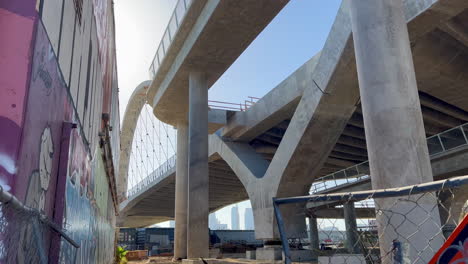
[269, 253]
[197, 219]
[250, 254]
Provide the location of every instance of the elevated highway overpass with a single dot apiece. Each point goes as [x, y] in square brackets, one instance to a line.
[311, 125]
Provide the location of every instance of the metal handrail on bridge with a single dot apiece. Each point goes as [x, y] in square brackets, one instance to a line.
[174, 23]
[156, 174]
[448, 140]
[233, 106]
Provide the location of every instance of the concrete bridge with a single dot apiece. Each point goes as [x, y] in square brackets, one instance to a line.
[311, 125]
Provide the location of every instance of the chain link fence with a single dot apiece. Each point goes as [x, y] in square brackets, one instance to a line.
[27, 235]
[399, 225]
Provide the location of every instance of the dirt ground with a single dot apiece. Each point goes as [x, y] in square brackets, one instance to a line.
[168, 260]
[159, 260]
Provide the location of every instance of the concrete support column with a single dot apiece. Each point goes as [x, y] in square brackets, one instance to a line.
[181, 192]
[352, 237]
[396, 142]
[294, 220]
[198, 210]
[313, 234]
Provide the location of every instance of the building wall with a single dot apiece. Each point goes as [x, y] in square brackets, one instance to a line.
[17, 24]
[58, 69]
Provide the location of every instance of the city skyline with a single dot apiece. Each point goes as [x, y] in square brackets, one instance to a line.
[214, 223]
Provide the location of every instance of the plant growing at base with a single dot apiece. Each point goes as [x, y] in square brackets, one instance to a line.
[121, 255]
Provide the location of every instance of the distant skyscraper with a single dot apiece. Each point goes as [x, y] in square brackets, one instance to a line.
[172, 223]
[248, 219]
[214, 223]
[235, 218]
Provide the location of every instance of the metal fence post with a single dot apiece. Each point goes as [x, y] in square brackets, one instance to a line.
[283, 237]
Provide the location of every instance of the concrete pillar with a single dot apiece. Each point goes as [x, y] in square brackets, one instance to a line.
[197, 219]
[294, 220]
[352, 237]
[313, 234]
[395, 136]
[181, 192]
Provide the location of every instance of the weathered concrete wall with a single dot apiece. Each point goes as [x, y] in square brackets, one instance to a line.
[59, 70]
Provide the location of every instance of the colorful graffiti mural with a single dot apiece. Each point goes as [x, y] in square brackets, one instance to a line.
[86, 218]
[46, 157]
[17, 21]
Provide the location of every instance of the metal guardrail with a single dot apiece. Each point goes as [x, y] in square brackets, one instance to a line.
[233, 106]
[174, 23]
[156, 174]
[448, 140]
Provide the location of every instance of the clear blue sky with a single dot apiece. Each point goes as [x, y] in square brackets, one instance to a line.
[296, 34]
[293, 37]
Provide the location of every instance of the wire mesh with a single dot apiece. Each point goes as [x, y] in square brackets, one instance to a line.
[404, 225]
[26, 236]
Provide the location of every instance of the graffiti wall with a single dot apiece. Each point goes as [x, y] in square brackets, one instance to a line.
[86, 217]
[17, 21]
[87, 212]
[58, 78]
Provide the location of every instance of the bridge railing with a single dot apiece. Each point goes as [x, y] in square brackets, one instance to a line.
[233, 106]
[156, 174]
[445, 141]
[174, 23]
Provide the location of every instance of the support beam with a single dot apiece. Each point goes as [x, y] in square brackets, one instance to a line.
[354, 131]
[340, 162]
[439, 118]
[350, 150]
[352, 237]
[265, 148]
[269, 139]
[456, 30]
[181, 193]
[198, 210]
[353, 142]
[395, 135]
[313, 235]
[346, 156]
[356, 120]
[441, 106]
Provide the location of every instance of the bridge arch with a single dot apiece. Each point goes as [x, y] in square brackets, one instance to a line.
[134, 108]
